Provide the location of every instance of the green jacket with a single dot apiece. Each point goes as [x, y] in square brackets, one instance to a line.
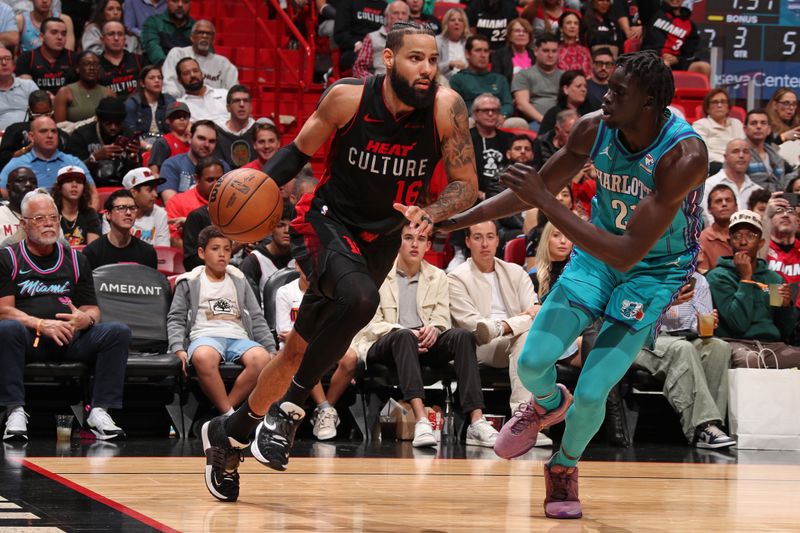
[744, 310]
[471, 84]
[160, 35]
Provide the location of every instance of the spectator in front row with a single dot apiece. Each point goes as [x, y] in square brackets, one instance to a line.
[783, 253]
[733, 174]
[215, 317]
[740, 287]
[179, 170]
[369, 60]
[207, 171]
[204, 101]
[49, 65]
[106, 147]
[119, 245]
[476, 79]
[235, 135]
[266, 142]
[536, 89]
[76, 102]
[151, 224]
[167, 30]
[325, 419]
[14, 92]
[119, 67]
[17, 136]
[717, 128]
[412, 324]
[146, 109]
[266, 259]
[79, 222]
[495, 301]
[59, 321]
[218, 71]
[44, 157]
[694, 370]
[715, 238]
[766, 167]
[21, 181]
[176, 140]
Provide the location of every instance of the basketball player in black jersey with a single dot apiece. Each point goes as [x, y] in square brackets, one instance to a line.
[390, 132]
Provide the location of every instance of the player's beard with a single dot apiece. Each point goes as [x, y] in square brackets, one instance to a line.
[408, 94]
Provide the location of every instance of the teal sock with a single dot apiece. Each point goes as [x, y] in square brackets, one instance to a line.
[551, 401]
[560, 458]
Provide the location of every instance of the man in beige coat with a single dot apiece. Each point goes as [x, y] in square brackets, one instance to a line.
[412, 323]
[496, 301]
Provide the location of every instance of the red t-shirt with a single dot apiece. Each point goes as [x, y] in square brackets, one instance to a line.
[181, 205]
[787, 264]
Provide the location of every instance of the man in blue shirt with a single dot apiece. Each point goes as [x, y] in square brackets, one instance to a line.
[178, 170]
[44, 157]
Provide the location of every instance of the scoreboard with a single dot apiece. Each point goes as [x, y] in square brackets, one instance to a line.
[759, 39]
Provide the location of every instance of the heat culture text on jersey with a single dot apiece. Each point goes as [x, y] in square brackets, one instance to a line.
[623, 184]
[382, 159]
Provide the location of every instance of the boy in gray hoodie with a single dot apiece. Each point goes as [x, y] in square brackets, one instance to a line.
[215, 316]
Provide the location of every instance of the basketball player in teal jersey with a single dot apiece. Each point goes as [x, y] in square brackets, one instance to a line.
[628, 265]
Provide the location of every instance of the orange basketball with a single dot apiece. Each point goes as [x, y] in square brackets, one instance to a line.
[245, 204]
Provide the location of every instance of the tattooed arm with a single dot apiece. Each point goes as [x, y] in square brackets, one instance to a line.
[458, 157]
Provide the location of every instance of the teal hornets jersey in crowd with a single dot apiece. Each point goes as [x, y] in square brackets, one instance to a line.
[624, 179]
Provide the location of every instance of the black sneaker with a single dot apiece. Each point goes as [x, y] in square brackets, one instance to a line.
[713, 437]
[223, 456]
[275, 435]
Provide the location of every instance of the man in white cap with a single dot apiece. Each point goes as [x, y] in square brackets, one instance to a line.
[750, 319]
[151, 223]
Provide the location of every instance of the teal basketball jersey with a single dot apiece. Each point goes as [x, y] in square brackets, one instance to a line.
[624, 179]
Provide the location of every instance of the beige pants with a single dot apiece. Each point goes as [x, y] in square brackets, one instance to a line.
[503, 352]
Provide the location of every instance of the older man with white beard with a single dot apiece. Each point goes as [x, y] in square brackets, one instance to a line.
[48, 312]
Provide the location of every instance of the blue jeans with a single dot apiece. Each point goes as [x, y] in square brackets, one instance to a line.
[105, 346]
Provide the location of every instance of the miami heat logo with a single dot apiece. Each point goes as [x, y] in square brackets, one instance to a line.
[632, 310]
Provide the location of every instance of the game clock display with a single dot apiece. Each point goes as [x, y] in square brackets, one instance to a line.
[760, 40]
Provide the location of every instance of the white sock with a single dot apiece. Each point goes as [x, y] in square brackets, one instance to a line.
[229, 412]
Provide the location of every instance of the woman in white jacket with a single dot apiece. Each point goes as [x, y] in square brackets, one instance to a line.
[450, 43]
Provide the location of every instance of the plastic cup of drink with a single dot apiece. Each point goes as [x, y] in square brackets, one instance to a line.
[705, 324]
[775, 298]
[64, 427]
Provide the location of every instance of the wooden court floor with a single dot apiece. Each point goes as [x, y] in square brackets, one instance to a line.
[427, 494]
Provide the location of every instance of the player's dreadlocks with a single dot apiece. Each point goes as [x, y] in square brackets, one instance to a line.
[394, 40]
[652, 74]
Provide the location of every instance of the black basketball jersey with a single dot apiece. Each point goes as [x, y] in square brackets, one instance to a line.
[123, 79]
[48, 76]
[378, 159]
[45, 286]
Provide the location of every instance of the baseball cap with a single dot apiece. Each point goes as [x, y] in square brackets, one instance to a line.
[747, 217]
[175, 107]
[140, 176]
[70, 171]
